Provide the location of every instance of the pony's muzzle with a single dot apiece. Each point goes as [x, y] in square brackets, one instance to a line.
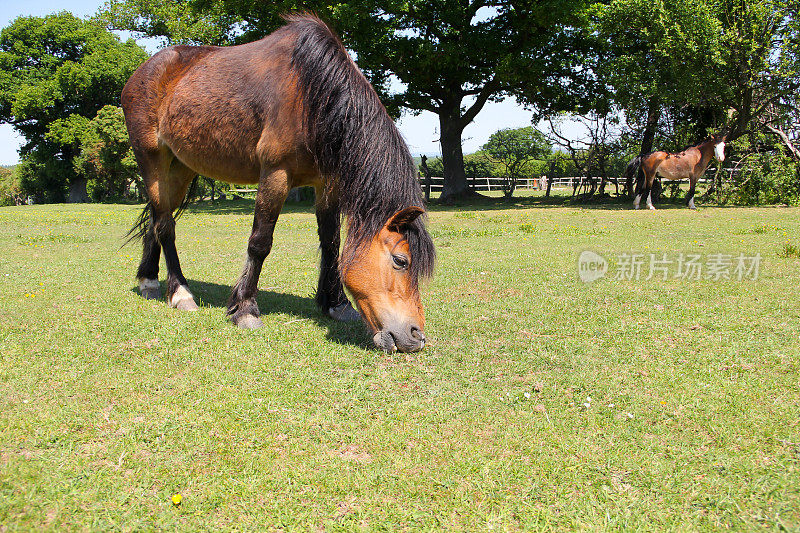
[400, 338]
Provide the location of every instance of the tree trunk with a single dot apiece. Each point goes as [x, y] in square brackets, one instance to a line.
[427, 173]
[455, 179]
[592, 184]
[77, 192]
[648, 136]
[511, 186]
[550, 179]
[793, 152]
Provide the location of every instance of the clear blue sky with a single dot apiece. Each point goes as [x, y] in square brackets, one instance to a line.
[421, 131]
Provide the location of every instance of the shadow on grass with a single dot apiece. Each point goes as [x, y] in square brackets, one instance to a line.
[352, 334]
[245, 206]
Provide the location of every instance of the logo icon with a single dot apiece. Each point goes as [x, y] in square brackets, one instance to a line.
[591, 266]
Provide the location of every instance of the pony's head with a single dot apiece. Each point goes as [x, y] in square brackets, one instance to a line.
[382, 277]
[719, 146]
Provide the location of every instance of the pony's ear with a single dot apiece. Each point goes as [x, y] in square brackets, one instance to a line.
[403, 218]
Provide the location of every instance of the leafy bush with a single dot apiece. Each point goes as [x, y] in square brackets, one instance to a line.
[762, 177]
[106, 159]
[41, 175]
[10, 190]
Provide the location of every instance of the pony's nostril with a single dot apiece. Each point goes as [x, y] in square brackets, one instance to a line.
[417, 334]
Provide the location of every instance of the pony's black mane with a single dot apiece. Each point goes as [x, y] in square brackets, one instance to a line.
[356, 144]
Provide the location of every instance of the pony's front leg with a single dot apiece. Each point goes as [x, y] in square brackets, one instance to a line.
[331, 298]
[272, 191]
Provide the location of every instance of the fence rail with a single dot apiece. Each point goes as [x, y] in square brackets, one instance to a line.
[496, 184]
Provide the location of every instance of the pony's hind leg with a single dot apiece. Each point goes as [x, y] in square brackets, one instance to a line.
[690, 194]
[148, 267]
[178, 294]
[272, 191]
[167, 181]
[330, 297]
[638, 187]
[647, 192]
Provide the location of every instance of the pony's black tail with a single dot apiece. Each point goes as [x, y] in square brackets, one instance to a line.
[137, 232]
[191, 195]
[634, 171]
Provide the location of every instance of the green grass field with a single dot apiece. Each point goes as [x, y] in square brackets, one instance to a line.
[541, 402]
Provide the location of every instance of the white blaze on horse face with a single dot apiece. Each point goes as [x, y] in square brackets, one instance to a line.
[719, 151]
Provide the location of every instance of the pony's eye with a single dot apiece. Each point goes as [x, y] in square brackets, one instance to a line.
[400, 262]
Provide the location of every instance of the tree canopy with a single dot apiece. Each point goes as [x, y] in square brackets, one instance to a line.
[668, 73]
[56, 73]
[448, 57]
[513, 149]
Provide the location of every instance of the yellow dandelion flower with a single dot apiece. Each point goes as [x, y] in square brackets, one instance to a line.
[176, 499]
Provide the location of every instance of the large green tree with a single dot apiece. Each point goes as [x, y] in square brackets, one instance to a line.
[56, 73]
[449, 57]
[656, 55]
[106, 159]
[715, 64]
[513, 150]
[758, 78]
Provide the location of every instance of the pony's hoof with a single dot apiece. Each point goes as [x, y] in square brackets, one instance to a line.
[186, 305]
[651, 208]
[150, 289]
[183, 300]
[248, 322]
[151, 294]
[344, 313]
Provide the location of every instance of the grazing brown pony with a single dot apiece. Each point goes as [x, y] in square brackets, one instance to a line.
[289, 110]
[691, 164]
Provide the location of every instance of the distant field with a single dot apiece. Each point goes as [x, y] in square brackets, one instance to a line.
[541, 402]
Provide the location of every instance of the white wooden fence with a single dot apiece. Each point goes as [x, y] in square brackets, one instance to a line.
[496, 184]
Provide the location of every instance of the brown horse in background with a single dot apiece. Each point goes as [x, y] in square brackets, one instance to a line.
[289, 110]
[690, 164]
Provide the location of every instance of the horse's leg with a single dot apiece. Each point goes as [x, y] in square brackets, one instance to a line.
[166, 180]
[148, 267]
[690, 195]
[648, 190]
[273, 188]
[330, 292]
[171, 192]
